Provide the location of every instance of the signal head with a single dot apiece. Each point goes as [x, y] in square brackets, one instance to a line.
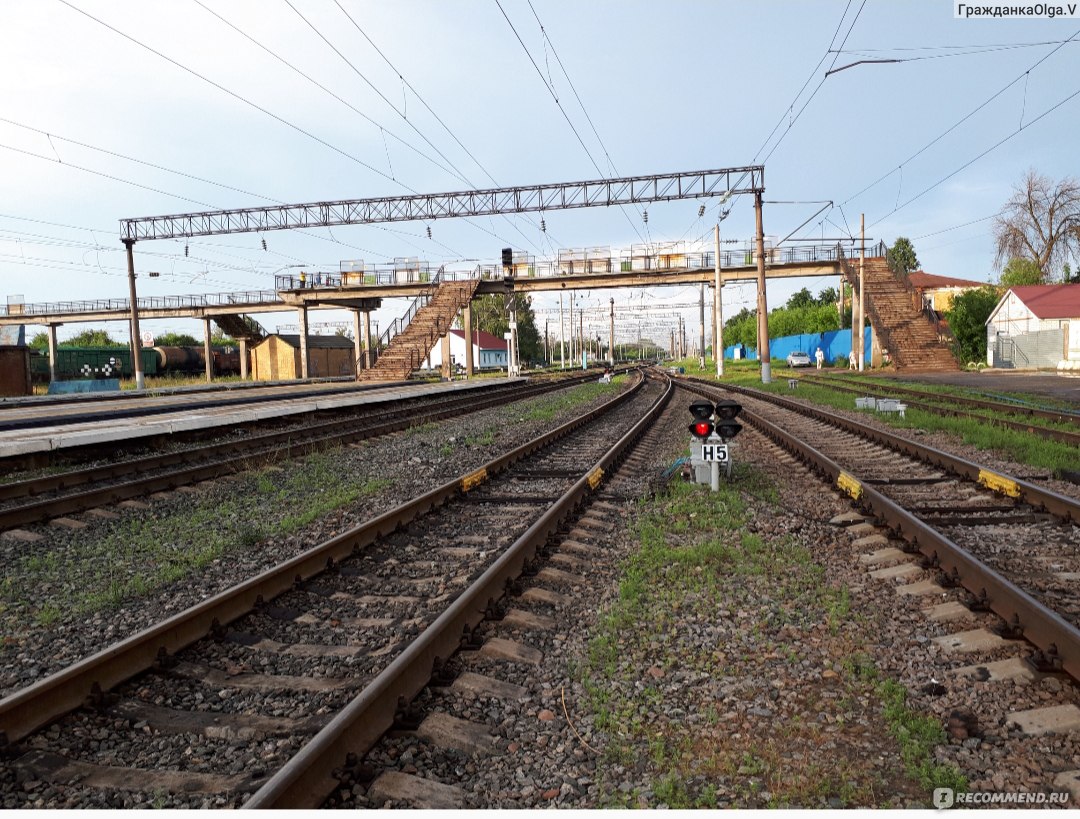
[728, 410]
[701, 409]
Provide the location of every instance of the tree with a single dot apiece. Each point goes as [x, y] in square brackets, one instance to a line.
[828, 296]
[94, 338]
[491, 316]
[800, 299]
[967, 321]
[1040, 222]
[176, 340]
[901, 256]
[40, 341]
[1020, 272]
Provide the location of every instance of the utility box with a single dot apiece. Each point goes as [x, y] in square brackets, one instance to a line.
[15, 371]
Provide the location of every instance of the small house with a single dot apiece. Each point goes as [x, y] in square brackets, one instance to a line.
[1035, 326]
[489, 352]
[277, 357]
[938, 291]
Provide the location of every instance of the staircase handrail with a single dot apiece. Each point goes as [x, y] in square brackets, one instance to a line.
[399, 325]
[883, 332]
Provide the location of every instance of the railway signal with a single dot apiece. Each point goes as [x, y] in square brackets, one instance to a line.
[714, 425]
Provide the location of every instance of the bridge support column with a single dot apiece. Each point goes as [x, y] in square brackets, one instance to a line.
[367, 339]
[208, 353]
[762, 305]
[243, 359]
[466, 323]
[447, 364]
[359, 344]
[301, 313]
[52, 353]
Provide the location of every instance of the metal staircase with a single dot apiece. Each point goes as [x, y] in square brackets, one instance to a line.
[404, 345]
[912, 338]
[239, 326]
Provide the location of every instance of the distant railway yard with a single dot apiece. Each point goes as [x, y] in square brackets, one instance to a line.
[510, 596]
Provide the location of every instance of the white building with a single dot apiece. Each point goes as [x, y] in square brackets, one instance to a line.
[489, 352]
[1035, 326]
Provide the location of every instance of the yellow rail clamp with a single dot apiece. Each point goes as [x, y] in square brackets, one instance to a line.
[850, 484]
[473, 480]
[594, 477]
[999, 483]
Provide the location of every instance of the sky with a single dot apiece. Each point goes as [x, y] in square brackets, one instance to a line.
[115, 109]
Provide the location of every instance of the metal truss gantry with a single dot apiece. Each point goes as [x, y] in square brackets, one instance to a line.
[631, 190]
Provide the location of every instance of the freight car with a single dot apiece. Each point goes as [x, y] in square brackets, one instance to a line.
[115, 362]
[91, 362]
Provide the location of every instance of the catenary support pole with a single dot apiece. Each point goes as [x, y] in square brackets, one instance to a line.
[136, 349]
[718, 309]
[762, 305]
[52, 353]
[367, 339]
[862, 291]
[358, 343]
[611, 334]
[243, 359]
[466, 320]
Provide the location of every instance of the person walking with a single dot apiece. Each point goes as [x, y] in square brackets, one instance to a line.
[819, 357]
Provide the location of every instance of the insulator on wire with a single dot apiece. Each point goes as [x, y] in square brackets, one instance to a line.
[645, 216]
[264, 244]
[543, 225]
[429, 231]
[700, 211]
[185, 249]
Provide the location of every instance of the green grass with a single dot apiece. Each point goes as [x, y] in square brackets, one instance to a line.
[697, 562]
[135, 556]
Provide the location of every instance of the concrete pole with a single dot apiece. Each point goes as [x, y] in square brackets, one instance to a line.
[367, 339]
[701, 321]
[718, 309]
[862, 290]
[562, 337]
[571, 328]
[581, 338]
[52, 353]
[243, 359]
[611, 334]
[467, 324]
[136, 349]
[208, 353]
[301, 313]
[358, 343]
[762, 306]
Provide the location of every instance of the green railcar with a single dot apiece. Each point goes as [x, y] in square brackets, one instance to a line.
[91, 362]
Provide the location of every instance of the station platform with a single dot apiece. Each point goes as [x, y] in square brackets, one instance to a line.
[163, 416]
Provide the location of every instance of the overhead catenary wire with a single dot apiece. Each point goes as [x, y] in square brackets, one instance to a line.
[562, 110]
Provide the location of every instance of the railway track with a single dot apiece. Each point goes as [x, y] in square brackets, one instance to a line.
[1013, 546]
[63, 493]
[930, 403]
[278, 683]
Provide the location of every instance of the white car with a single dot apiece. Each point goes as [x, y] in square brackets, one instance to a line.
[798, 359]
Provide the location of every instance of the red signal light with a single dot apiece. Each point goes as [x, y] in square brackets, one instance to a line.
[701, 429]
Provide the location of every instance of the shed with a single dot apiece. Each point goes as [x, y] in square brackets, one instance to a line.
[939, 291]
[489, 352]
[277, 357]
[15, 370]
[1035, 325]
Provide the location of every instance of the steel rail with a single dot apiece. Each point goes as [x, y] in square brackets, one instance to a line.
[1057, 639]
[42, 702]
[1063, 417]
[307, 779]
[1062, 435]
[1059, 505]
[238, 453]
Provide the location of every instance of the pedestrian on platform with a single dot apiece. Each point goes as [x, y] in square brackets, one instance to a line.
[819, 357]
